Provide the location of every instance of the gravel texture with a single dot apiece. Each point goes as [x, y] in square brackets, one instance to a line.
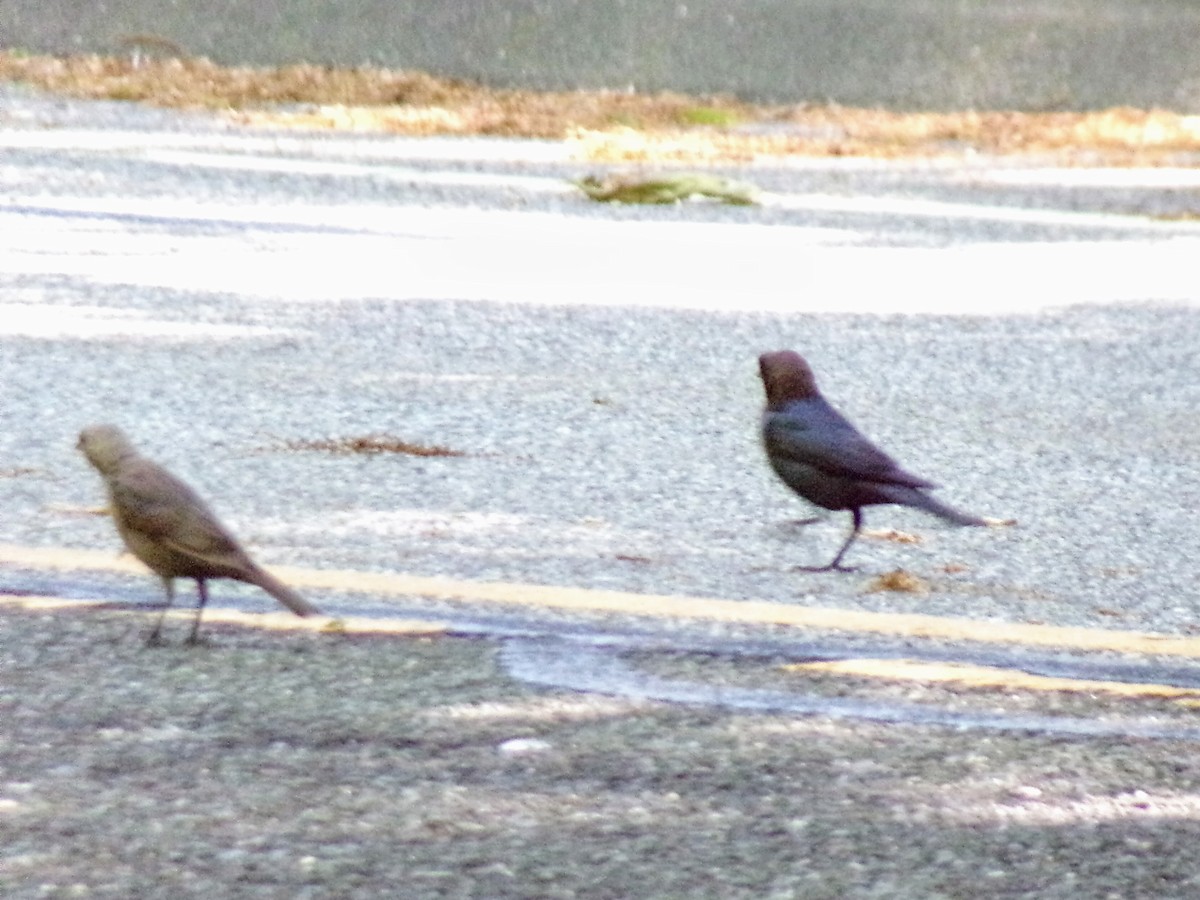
[223, 295]
[271, 765]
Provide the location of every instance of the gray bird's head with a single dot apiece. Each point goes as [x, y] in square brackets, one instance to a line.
[786, 376]
[105, 446]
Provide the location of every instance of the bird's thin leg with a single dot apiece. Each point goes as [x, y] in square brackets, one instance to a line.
[154, 638]
[201, 602]
[810, 520]
[836, 564]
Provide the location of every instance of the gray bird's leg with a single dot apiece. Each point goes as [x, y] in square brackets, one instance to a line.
[810, 520]
[836, 564]
[154, 638]
[201, 602]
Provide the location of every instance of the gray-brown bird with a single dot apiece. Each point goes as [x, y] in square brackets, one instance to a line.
[166, 525]
[826, 460]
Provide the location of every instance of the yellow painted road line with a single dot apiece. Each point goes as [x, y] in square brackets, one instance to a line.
[758, 612]
[974, 676]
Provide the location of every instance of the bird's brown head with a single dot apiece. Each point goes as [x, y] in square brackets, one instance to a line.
[786, 376]
[105, 446]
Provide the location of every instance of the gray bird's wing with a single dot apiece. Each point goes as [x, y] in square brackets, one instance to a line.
[813, 433]
[150, 500]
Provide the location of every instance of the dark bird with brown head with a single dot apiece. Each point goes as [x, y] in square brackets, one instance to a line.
[166, 525]
[826, 460]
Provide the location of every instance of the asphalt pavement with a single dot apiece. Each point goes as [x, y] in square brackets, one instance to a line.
[238, 300]
[921, 55]
[1021, 335]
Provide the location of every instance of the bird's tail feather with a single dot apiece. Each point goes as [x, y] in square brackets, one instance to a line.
[927, 502]
[283, 593]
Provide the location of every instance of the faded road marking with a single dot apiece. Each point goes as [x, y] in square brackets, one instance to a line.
[586, 600]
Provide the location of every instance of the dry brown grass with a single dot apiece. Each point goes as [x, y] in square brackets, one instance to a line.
[364, 98]
[604, 125]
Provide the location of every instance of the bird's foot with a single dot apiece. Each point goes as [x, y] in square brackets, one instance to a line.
[196, 640]
[155, 639]
[831, 567]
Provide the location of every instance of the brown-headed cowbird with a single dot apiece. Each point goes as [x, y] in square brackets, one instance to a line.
[825, 459]
[169, 528]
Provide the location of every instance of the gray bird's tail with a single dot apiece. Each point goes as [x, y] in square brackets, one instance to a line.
[921, 500]
[282, 593]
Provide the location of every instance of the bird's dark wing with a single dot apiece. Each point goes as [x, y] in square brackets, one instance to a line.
[813, 433]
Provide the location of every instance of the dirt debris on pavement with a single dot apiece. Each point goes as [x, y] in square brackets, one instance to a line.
[370, 445]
